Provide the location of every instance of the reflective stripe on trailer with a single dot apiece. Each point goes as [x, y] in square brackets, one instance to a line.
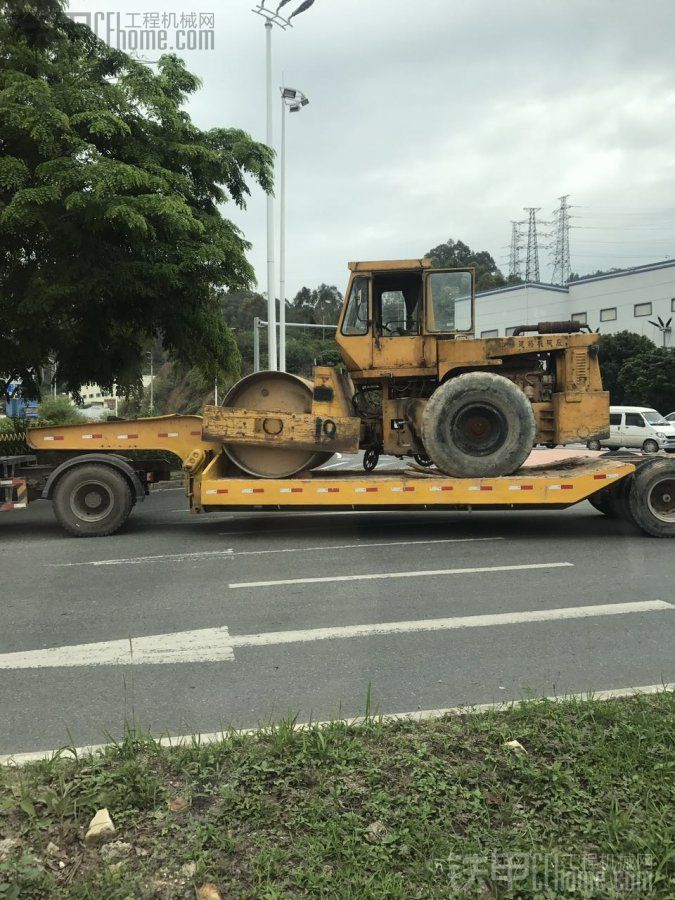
[480, 487]
[168, 434]
[92, 437]
[292, 490]
[328, 490]
[127, 437]
[521, 487]
[605, 475]
[561, 487]
[219, 491]
[5, 507]
[370, 490]
[53, 437]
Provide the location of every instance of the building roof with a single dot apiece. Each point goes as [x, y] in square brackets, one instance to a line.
[621, 273]
[564, 288]
[559, 288]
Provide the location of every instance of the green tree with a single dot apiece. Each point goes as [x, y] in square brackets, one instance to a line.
[456, 254]
[647, 379]
[110, 229]
[320, 306]
[59, 410]
[241, 307]
[615, 351]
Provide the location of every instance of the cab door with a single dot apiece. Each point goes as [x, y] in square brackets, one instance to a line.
[634, 430]
[398, 343]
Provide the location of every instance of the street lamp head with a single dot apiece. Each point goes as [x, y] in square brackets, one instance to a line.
[304, 102]
[295, 108]
[289, 93]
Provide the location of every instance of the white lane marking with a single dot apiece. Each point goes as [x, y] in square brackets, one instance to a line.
[204, 554]
[137, 560]
[217, 644]
[420, 715]
[417, 574]
[383, 628]
[204, 645]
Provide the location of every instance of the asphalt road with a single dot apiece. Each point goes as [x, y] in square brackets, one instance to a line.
[249, 635]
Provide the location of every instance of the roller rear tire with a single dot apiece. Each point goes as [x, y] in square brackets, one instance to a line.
[478, 425]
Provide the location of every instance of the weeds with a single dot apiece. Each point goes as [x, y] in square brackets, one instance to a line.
[382, 809]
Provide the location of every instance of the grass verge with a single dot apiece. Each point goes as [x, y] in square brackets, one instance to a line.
[440, 808]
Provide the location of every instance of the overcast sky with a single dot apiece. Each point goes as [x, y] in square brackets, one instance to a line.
[432, 119]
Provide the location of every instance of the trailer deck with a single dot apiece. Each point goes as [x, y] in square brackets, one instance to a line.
[93, 476]
[550, 487]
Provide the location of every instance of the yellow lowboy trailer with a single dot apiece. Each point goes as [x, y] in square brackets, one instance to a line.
[95, 476]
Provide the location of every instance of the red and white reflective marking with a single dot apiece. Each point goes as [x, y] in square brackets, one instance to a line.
[521, 487]
[53, 437]
[438, 488]
[403, 490]
[561, 487]
[480, 487]
[253, 490]
[195, 434]
[127, 437]
[292, 490]
[367, 490]
[5, 507]
[219, 491]
[168, 434]
[328, 490]
[605, 475]
[92, 437]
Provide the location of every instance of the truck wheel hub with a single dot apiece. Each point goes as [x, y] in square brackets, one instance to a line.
[478, 429]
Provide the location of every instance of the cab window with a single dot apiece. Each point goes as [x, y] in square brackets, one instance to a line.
[635, 419]
[397, 302]
[449, 301]
[356, 317]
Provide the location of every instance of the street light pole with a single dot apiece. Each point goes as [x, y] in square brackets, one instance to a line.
[271, 300]
[272, 17]
[292, 101]
[282, 242]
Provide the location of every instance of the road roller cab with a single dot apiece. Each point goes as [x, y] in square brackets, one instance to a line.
[397, 311]
[418, 384]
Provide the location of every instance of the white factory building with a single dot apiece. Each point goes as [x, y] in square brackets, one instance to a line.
[621, 301]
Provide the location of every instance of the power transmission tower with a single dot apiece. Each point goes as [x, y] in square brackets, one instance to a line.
[561, 245]
[532, 261]
[516, 247]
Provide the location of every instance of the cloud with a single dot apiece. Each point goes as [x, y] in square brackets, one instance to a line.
[437, 119]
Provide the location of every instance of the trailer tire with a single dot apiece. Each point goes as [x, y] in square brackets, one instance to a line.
[92, 500]
[613, 501]
[652, 498]
[478, 425]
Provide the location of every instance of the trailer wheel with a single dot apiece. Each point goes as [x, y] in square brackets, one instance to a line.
[613, 501]
[92, 500]
[652, 498]
[478, 425]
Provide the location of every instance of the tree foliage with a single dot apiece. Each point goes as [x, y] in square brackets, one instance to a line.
[456, 254]
[110, 229]
[318, 306]
[615, 351]
[649, 379]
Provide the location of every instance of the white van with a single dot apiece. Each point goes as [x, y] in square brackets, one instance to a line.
[637, 427]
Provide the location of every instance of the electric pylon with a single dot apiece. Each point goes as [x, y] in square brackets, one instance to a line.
[516, 247]
[561, 246]
[532, 261]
